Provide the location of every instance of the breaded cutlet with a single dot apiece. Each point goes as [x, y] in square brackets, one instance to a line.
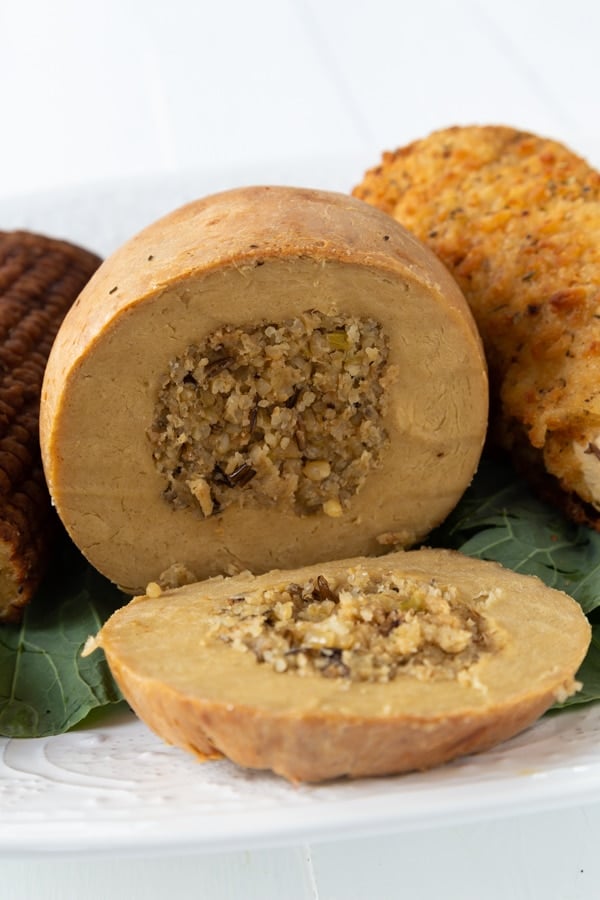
[516, 219]
[40, 278]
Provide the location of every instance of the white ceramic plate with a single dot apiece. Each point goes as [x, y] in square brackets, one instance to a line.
[112, 786]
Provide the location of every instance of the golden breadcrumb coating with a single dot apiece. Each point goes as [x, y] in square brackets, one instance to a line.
[516, 219]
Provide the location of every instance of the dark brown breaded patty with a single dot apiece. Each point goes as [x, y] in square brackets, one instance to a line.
[516, 219]
[40, 278]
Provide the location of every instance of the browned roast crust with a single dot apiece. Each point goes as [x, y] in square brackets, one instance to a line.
[199, 693]
[516, 219]
[239, 260]
[39, 279]
[313, 747]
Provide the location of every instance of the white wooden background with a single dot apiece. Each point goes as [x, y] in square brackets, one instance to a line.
[123, 89]
[130, 87]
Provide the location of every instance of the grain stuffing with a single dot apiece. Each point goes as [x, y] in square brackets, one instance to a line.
[287, 414]
[363, 626]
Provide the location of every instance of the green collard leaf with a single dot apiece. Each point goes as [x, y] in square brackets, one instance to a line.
[500, 519]
[588, 675]
[46, 686]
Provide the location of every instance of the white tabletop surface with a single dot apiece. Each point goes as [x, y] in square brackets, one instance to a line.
[151, 92]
